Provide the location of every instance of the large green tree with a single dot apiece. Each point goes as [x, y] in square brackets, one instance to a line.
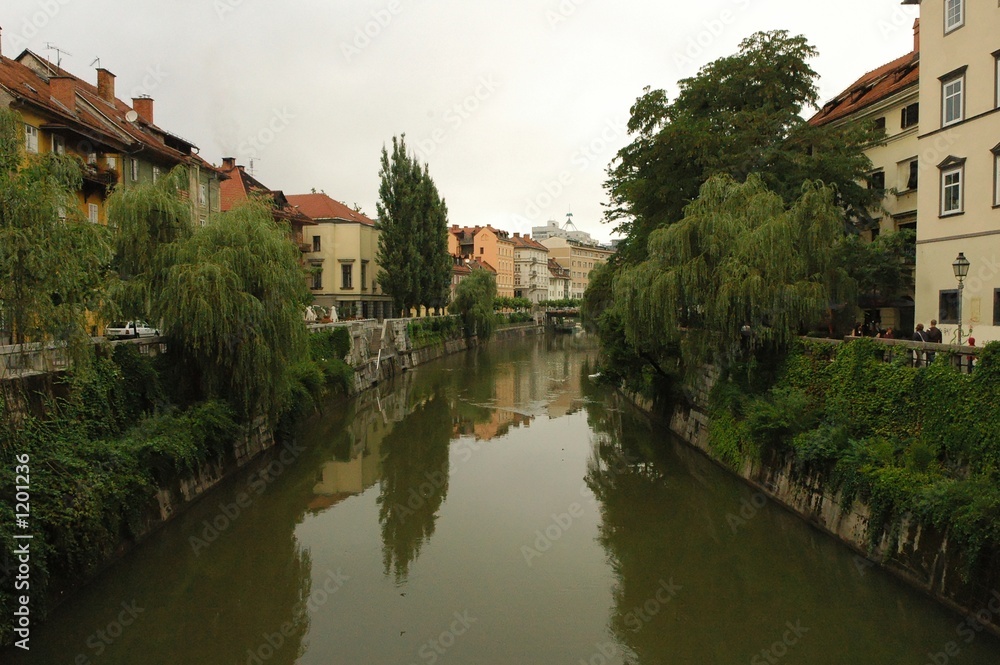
[740, 114]
[52, 260]
[741, 270]
[413, 243]
[474, 300]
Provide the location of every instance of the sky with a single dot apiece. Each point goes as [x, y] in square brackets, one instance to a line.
[517, 106]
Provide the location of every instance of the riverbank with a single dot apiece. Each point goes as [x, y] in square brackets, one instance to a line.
[899, 502]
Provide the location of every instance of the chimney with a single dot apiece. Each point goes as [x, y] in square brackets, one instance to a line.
[106, 85]
[144, 107]
[228, 163]
[916, 35]
[63, 90]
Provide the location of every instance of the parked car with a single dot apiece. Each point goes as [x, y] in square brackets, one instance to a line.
[131, 329]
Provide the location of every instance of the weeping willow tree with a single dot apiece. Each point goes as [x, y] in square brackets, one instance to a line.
[474, 297]
[52, 260]
[147, 220]
[231, 304]
[739, 272]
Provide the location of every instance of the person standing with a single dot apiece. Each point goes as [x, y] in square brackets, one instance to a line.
[918, 336]
[934, 335]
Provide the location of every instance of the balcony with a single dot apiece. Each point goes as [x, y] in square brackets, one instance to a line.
[305, 247]
[95, 177]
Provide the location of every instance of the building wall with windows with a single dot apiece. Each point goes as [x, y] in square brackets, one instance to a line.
[959, 196]
[578, 259]
[531, 269]
[342, 261]
[887, 97]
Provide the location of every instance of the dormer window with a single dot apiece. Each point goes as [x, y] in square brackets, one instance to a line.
[954, 15]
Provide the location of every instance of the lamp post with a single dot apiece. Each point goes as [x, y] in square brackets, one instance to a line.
[961, 267]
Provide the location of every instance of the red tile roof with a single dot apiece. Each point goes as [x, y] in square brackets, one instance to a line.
[320, 206]
[871, 88]
[528, 242]
[241, 185]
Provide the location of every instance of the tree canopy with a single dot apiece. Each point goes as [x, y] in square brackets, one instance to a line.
[474, 301]
[413, 243]
[741, 269]
[740, 114]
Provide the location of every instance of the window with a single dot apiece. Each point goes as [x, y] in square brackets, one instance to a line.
[951, 100]
[875, 180]
[952, 176]
[996, 78]
[92, 213]
[364, 276]
[880, 124]
[996, 175]
[112, 163]
[347, 276]
[134, 168]
[954, 15]
[202, 194]
[910, 115]
[912, 177]
[316, 244]
[202, 221]
[996, 307]
[317, 278]
[31, 138]
[58, 144]
[948, 306]
[156, 173]
[92, 158]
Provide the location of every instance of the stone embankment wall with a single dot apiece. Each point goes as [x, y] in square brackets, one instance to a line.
[917, 553]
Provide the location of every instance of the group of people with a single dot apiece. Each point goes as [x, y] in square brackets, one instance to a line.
[933, 335]
[873, 329]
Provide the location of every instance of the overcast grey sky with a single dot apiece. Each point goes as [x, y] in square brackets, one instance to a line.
[518, 106]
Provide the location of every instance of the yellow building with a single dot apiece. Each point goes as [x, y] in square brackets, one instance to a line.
[887, 97]
[959, 147]
[579, 258]
[343, 247]
[117, 143]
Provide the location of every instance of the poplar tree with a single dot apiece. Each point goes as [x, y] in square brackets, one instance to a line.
[413, 242]
[52, 259]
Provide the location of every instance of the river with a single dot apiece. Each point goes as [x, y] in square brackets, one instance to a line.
[495, 507]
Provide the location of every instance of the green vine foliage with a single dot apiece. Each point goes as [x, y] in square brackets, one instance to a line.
[907, 442]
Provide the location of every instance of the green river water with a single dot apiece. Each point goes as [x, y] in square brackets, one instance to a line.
[495, 507]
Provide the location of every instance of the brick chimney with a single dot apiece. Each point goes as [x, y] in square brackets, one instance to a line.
[916, 35]
[228, 163]
[144, 107]
[63, 90]
[106, 85]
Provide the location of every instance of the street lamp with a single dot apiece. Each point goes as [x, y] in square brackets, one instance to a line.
[961, 267]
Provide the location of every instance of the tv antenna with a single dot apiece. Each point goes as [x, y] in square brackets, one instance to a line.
[252, 160]
[97, 61]
[569, 222]
[49, 46]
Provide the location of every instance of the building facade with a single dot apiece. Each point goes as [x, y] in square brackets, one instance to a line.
[579, 259]
[531, 269]
[559, 281]
[116, 143]
[341, 257]
[959, 167]
[887, 97]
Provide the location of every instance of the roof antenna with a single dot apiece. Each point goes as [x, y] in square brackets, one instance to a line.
[97, 61]
[252, 159]
[49, 46]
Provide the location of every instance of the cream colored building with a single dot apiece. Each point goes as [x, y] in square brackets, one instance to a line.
[559, 281]
[579, 259]
[342, 258]
[959, 148]
[531, 269]
[887, 97]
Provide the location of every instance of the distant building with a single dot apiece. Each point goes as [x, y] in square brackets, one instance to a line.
[462, 268]
[342, 258]
[531, 269]
[559, 281]
[489, 246]
[579, 259]
[568, 231]
[241, 186]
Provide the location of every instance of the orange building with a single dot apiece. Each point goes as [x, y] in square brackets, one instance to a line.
[491, 247]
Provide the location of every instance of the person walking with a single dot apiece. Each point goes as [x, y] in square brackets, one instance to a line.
[918, 336]
[934, 335]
